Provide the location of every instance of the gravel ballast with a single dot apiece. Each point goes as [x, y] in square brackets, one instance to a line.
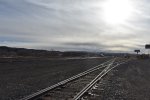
[130, 81]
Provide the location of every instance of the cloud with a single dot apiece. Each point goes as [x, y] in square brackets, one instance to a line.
[70, 25]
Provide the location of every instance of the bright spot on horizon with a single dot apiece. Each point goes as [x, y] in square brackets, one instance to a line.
[117, 11]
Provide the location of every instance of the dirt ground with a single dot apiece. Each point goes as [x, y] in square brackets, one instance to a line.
[130, 81]
[23, 76]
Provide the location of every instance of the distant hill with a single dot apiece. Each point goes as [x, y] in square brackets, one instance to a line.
[15, 52]
[22, 52]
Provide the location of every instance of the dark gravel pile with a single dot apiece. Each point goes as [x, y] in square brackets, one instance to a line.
[130, 81]
[21, 77]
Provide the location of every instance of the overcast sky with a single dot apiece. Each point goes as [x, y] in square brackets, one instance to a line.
[72, 25]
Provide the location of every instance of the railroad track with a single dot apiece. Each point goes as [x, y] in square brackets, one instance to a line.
[77, 86]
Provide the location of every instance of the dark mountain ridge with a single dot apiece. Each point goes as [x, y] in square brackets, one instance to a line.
[23, 52]
[14, 52]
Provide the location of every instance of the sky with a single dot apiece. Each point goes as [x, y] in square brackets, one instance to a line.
[66, 25]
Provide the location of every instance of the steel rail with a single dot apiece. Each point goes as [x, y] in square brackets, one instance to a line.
[41, 92]
[94, 81]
